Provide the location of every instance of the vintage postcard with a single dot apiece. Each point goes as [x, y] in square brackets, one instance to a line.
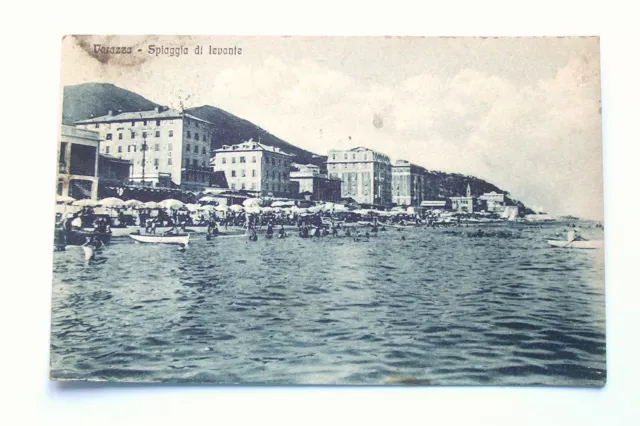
[329, 210]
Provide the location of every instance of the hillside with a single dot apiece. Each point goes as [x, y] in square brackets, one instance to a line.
[88, 100]
[229, 130]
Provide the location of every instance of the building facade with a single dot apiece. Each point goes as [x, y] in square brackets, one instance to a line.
[313, 181]
[254, 167]
[409, 183]
[78, 153]
[365, 175]
[463, 204]
[495, 201]
[165, 146]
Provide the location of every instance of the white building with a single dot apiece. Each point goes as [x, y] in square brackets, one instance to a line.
[365, 174]
[167, 148]
[463, 204]
[495, 201]
[255, 167]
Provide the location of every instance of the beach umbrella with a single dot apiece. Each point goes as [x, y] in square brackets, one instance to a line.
[222, 208]
[86, 202]
[253, 209]
[411, 210]
[112, 202]
[207, 208]
[151, 205]
[192, 207]
[63, 199]
[282, 204]
[268, 209]
[315, 209]
[172, 204]
[236, 208]
[207, 199]
[133, 203]
[251, 202]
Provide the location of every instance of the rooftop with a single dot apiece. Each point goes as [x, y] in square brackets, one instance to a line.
[252, 145]
[153, 114]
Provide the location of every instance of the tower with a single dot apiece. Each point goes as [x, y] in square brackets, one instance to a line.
[468, 190]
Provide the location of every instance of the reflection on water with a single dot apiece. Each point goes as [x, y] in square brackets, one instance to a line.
[436, 308]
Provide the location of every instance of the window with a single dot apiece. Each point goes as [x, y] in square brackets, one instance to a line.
[188, 147]
[119, 135]
[253, 185]
[279, 163]
[243, 160]
[278, 175]
[97, 126]
[109, 136]
[157, 147]
[144, 135]
[133, 135]
[195, 149]
[156, 162]
[273, 161]
[244, 173]
[203, 164]
[243, 187]
[129, 148]
[133, 123]
[204, 150]
[157, 133]
[186, 162]
[233, 173]
[195, 162]
[197, 124]
[346, 156]
[189, 134]
[169, 161]
[354, 156]
[333, 156]
[233, 159]
[170, 133]
[365, 157]
[197, 136]
[253, 173]
[273, 175]
[224, 160]
[253, 159]
[204, 137]
[169, 146]
[106, 149]
[157, 122]
[266, 186]
[144, 123]
[233, 186]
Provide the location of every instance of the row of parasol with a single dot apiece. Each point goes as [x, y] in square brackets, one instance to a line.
[251, 205]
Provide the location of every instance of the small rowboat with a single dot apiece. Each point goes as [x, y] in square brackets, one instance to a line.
[162, 239]
[577, 244]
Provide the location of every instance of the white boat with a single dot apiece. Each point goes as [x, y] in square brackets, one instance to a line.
[162, 239]
[577, 244]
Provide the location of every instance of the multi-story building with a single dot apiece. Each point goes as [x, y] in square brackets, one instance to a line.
[255, 167]
[312, 180]
[166, 147]
[409, 183]
[365, 175]
[463, 204]
[78, 152]
[495, 201]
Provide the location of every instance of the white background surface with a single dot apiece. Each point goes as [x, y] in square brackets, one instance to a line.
[30, 119]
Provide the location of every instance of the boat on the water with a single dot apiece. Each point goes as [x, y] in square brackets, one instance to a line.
[162, 239]
[577, 244]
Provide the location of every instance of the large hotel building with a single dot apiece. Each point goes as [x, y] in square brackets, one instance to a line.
[255, 167]
[409, 183]
[167, 148]
[365, 175]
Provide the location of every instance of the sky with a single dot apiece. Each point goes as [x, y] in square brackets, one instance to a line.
[521, 113]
